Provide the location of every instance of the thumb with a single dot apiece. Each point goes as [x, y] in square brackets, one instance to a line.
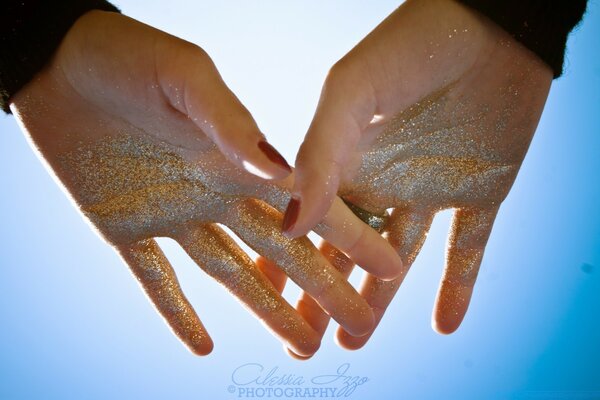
[193, 85]
[344, 111]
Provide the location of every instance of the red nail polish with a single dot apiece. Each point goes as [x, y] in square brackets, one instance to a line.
[291, 214]
[273, 155]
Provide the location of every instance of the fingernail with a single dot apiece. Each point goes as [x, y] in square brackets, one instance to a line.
[291, 214]
[273, 155]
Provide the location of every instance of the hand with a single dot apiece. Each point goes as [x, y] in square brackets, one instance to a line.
[125, 116]
[434, 109]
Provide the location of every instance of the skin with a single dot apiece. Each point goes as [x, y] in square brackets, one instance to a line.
[434, 109]
[147, 141]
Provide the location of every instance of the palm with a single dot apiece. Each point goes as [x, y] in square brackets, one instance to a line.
[434, 109]
[460, 147]
[148, 142]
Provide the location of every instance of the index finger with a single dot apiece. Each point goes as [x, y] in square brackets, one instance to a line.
[365, 246]
[345, 108]
[258, 226]
[344, 230]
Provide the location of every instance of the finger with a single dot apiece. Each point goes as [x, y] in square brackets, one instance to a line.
[344, 230]
[153, 271]
[406, 230]
[193, 85]
[277, 277]
[471, 228]
[218, 254]
[258, 225]
[345, 109]
[308, 308]
[365, 246]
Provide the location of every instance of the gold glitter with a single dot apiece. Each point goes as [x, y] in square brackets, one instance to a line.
[409, 227]
[458, 148]
[259, 225]
[133, 189]
[435, 154]
[227, 263]
[469, 233]
[157, 278]
[218, 255]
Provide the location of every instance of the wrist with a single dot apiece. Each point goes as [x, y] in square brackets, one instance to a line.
[539, 25]
[30, 33]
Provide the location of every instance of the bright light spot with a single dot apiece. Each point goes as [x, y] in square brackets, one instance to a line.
[377, 118]
[254, 170]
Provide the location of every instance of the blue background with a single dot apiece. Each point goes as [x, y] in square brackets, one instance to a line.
[74, 324]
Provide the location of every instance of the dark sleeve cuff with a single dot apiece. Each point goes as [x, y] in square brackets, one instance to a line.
[30, 32]
[541, 25]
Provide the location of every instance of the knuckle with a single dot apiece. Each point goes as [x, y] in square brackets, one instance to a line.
[194, 50]
[339, 73]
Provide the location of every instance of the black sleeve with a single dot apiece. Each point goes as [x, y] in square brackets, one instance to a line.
[541, 25]
[30, 32]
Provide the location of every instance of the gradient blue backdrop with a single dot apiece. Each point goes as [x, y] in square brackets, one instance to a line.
[75, 325]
